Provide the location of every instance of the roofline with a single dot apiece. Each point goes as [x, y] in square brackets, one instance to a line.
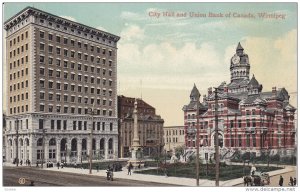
[28, 7]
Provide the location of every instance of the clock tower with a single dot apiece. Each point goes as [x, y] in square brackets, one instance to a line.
[239, 65]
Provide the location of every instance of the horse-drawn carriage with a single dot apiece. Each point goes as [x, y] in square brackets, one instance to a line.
[257, 179]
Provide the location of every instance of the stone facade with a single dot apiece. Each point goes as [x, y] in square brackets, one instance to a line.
[58, 70]
[249, 120]
[150, 127]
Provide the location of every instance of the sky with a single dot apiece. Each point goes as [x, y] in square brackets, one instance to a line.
[161, 57]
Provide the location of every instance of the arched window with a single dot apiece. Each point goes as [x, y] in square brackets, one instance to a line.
[52, 142]
[110, 144]
[40, 142]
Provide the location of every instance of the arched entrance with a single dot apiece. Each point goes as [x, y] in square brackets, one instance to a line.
[52, 149]
[21, 152]
[110, 148]
[74, 149]
[102, 147]
[27, 148]
[39, 149]
[63, 149]
[94, 148]
[221, 139]
[84, 149]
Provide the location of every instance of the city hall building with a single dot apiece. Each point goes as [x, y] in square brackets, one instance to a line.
[57, 72]
[249, 120]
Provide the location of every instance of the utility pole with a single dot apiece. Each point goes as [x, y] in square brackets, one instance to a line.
[217, 138]
[17, 142]
[91, 139]
[197, 144]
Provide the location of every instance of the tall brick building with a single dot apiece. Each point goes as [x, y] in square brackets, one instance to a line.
[150, 127]
[249, 120]
[57, 69]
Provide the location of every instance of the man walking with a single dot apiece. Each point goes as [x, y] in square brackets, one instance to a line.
[57, 164]
[130, 166]
[281, 181]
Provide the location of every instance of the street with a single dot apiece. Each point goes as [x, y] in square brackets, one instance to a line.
[12, 175]
[275, 179]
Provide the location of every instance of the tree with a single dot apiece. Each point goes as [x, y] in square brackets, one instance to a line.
[179, 151]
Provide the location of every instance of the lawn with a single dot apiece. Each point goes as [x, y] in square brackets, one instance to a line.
[189, 171]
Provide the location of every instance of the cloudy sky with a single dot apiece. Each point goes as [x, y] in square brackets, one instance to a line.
[160, 58]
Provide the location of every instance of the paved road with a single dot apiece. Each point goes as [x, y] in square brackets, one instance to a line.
[11, 177]
[286, 178]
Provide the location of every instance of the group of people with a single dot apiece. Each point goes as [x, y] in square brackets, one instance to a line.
[293, 182]
[27, 162]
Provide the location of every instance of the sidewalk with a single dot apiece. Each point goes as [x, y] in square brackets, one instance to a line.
[159, 179]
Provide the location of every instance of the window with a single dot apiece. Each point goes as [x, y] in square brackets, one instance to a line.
[58, 74]
[50, 84]
[240, 123]
[65, 52]
[248, 122]
[57, 97]
[42, 58]
[231, 124]
[42, 46]
[79, 125]
[74, 125]
[110, 126]
[42, 95]
[42, 83]
[58, 86]
[65, 124]
[79, 44]
[58, 62]
[58, 51]
[85, 125]
[65, 99]
[42, 71]
[41, 124]
[50, 72]
[58, 109]
[58, 39]
[79, 67]
[253, 123]
[50, 95]
[72, 42]
[72, 54]
[42, 107]
[42, 34]
[50, 48]
[50, 37]
[66, 109]
[65, 41]
[65, 87]
[50, 60]
[58, 124]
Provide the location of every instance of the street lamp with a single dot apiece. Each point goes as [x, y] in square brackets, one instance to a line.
[17, 141]
[197, 144]
[91, 138]
[217, 138]
[66, 152]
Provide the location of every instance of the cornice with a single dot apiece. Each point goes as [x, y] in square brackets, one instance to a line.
[30, 11]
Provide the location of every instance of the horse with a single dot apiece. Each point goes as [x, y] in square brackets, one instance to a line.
[247, 180]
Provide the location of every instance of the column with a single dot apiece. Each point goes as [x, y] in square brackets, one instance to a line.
[32, 150]
[79, 149]
[97, 147]
[68, 152]
[106, 148]
[115, 147]
[46, 148]
[58, 158]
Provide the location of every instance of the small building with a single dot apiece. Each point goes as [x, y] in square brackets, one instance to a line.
[150, 127]
[174, 137]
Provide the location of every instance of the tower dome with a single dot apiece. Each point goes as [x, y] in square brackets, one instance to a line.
[195, 94]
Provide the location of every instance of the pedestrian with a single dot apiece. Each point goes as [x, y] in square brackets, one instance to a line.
[97, 167]
[280, 180]
[130, 166]
[295, 182]
[57, 164]
[62, 165]
[37, 164]
[26, 162]
[75, 165]
[31, 183]
[21, 162]
[29, 163]
[291, 183]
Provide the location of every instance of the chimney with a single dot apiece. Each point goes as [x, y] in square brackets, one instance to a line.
[210, 91]
[274, 92]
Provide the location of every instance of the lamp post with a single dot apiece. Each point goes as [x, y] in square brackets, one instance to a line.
[17, 141]
[91, 139]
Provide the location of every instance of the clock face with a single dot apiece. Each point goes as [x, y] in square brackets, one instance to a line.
[235, 59]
